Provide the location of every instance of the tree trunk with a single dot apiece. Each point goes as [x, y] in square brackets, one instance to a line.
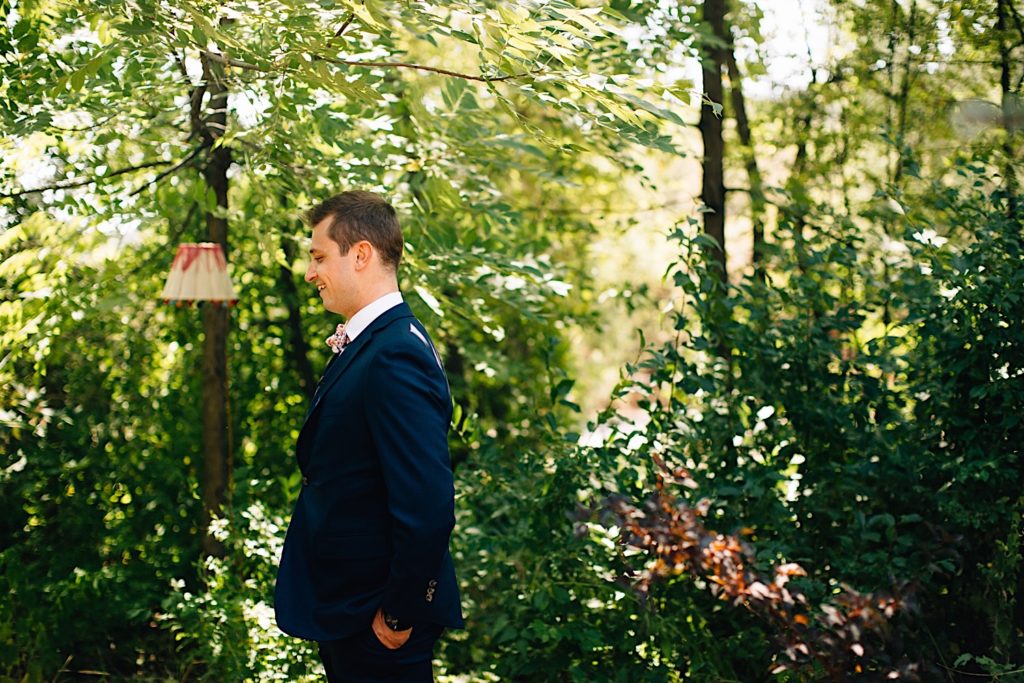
[796, 188]
[900, 97]
[713, 183]
[712, 192]
[903, 98]
[216, 482]
[1015, 647]
[757, 199]
[1005, 64]
[890, 71]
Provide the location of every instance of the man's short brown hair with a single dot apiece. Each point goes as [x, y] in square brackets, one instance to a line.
[358, 215]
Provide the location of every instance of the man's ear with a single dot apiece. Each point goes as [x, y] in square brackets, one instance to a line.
[364, 254]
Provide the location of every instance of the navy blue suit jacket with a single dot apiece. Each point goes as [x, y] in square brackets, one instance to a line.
[372, 522]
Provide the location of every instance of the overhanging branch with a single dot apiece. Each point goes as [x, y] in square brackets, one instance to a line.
[85, 181]
[229, 61]
[80, 182]
[420, 67]
[172, 169]
[344, 26]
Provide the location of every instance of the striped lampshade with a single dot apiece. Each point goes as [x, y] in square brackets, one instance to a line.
[199, 272]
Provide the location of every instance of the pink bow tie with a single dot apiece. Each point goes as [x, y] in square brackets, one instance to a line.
[339, 340]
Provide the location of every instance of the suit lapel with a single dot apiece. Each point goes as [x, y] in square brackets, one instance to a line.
[336, 367]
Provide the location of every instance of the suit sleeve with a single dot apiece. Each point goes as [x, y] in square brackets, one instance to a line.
[409, 410]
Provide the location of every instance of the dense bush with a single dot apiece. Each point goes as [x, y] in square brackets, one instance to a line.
[883, 457]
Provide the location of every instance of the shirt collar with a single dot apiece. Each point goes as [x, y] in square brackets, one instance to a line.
[370, 312]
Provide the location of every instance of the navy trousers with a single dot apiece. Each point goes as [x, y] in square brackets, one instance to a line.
[362, 658]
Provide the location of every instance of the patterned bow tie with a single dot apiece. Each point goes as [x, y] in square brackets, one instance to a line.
[339, 340]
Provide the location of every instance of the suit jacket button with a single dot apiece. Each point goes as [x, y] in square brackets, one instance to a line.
[305, 481]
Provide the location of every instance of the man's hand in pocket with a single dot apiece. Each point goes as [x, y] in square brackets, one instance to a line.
[392, 640]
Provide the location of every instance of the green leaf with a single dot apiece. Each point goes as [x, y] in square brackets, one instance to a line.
[430, 300]
[660, 112]
[561, 389]
[77, 80]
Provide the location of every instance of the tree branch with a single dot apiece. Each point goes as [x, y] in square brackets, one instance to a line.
[345, 25]
[181, 66]
[169, 171]
[1017, 20]
[67, 185]
[82, 129]
[229, 61]
[420, 67]
[85, 181]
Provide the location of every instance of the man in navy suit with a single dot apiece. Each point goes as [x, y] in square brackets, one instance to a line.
[365, 569]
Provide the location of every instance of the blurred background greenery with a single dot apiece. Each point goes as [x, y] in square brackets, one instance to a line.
[847, 393]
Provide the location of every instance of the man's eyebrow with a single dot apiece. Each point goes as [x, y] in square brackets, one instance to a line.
[314, 250]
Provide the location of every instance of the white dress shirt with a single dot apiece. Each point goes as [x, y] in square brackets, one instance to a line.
[370, 312]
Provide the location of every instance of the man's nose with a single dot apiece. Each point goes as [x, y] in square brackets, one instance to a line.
[309, 272]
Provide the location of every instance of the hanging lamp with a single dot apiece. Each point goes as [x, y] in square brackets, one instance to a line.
[199, 273]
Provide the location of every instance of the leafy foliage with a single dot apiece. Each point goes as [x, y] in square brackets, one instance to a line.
[826, 437]
[865, 423]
